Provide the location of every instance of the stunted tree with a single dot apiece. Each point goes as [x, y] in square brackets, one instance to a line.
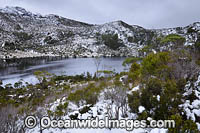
[118, 96]
[97, 62]
[8, 122]
[42, 76]
[183, 65]
[173, 41]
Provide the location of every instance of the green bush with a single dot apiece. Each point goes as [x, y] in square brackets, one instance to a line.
[134, 101]
[190, 127]
[61, 109]
[76, 97]
[156, 65]
[146, 50]
[23, 36]
[43, 77]
[131, 60]
[112, 41]
[74, 79]
[173, 38]
[185, 126]
[148, 100]
[135, 72]
[89, 95]
[154, 85]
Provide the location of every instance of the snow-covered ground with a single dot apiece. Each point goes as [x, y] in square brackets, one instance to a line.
[100, 110]
[107, 108]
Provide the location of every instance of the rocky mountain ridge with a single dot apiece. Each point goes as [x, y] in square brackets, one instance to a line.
[24, 34]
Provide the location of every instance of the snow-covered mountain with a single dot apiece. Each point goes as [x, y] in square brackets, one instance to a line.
[24, 34]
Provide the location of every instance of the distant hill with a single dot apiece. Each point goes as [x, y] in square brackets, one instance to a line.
[24, 34]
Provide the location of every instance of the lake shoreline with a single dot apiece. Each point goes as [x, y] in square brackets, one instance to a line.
[15, 61]
[24, 68]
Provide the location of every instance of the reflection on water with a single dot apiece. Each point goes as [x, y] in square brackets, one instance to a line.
[72, 66]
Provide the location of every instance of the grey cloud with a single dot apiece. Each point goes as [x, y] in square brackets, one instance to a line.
[146, 13]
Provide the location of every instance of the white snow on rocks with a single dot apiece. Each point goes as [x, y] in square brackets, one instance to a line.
[192, 108]
[141, 109]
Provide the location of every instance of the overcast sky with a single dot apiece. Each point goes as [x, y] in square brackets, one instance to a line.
[146, 13]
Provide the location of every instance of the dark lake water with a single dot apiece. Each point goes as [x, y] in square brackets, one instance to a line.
[74, 66]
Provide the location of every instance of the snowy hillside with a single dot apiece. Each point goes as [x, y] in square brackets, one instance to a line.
[22, 31]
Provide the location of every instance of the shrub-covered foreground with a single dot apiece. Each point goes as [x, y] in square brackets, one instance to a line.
[162, 80]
